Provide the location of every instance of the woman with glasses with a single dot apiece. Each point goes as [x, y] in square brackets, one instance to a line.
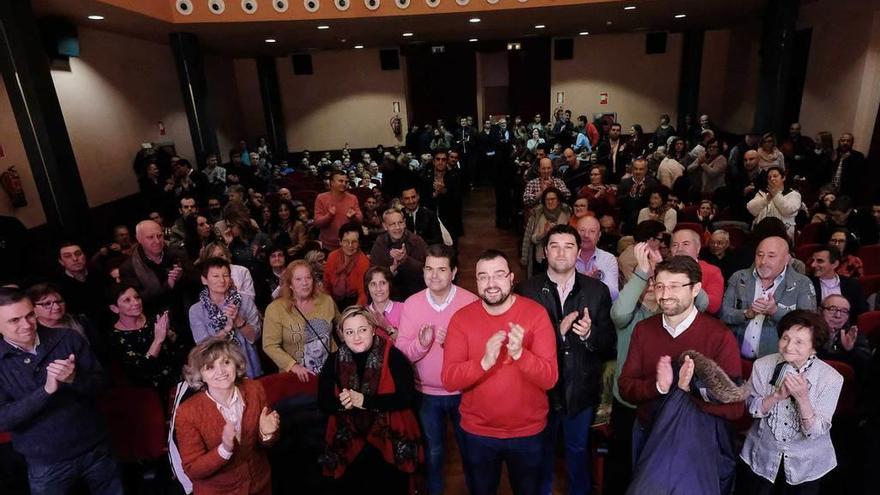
[377, 280]
[850, 264]
[792, 396]
[580, 209]
[345, 268]
[552, 211]
[845, 342]
[51, 312]
[601, 197]
[712, 167]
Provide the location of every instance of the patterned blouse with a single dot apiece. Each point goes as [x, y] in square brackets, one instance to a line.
[130, 348]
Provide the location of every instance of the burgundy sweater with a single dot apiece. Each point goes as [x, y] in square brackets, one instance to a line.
[650, 341]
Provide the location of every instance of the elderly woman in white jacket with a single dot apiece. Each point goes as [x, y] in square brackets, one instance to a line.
[776, 201]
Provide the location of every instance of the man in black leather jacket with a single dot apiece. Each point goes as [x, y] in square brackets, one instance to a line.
[579, 307]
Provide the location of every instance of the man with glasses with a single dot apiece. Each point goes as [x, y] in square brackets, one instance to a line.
[579, 308]
[757, 298]
[845, 342]
[827, 282]
[501, 353]
[658, 341]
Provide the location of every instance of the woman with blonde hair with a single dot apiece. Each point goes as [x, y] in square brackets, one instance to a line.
[367, 390]
[298, 326]
[224, 430]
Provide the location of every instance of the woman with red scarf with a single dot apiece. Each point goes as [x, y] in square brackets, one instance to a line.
[367, 390]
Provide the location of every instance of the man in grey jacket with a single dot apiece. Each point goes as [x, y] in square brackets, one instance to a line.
[757, 298]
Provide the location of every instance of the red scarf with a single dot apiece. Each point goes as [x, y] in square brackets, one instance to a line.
[394, 433]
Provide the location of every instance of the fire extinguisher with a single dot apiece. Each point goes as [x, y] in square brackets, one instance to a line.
[12, 185]
[396, 125]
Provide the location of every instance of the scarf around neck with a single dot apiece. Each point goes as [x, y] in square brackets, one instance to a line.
[216, 317]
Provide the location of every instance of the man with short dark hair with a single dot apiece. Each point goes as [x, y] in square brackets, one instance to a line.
[847, 174]
[441, 191]
[80, 287]
[633, 192]
[686, 242]
[501, 353]
[823, 269]
[660, 340]
[613, 154]
[187, 208]
[49, 381]
[579, 308]
[335, 208]
[419, 219]
[843, 213]
[422, 335]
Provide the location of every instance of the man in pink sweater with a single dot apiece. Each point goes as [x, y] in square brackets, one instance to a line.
[501, 353]
[423, 326]
[334, 208]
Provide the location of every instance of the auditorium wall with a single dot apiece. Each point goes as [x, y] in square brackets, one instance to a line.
[841, 93]
[640, 87]
[31, 215]
[348, 98]
[113, 98]
[247, 83]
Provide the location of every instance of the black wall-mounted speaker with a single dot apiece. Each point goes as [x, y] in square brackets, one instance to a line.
[302, 64]
[389, 59]
[563, 49]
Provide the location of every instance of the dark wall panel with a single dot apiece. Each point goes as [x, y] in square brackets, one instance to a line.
[441, 85]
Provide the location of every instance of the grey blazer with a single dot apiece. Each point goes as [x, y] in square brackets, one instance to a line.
[796, 291]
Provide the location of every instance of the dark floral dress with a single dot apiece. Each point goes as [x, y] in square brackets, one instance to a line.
[129, 348]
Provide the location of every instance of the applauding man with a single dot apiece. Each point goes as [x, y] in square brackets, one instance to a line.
[579, 308]
[501, 353]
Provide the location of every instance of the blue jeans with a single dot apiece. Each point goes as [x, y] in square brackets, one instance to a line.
[484, 456]
[97, 467]
[433, 411]
[575, 434]
[639, 438]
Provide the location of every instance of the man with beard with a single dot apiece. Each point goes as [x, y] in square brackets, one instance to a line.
[501, 353]
[579, 308]
[847, 173]
[656, 341]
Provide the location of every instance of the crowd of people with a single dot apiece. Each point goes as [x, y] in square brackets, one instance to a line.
[655, 268]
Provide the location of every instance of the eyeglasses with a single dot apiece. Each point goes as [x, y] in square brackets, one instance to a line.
[497, 277]
[49, 304]
[836, 310]
[670, 287]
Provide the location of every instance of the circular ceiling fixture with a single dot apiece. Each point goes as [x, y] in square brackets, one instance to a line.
[280, 5]
[184, 7]
[402, 4]
[249, 6]
[217, 7]
[311, 5]
[432, 3]
[342, 5]
[462, 2]
[371, 4]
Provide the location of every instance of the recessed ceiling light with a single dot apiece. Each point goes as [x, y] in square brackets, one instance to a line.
[473, 39]
[584, 33]
[539, 26]
[270, 40]
[358, 47]
[474, 20]
[630, 7]
[680, 16]
[407, 35]
[96, 17]
[323, 26]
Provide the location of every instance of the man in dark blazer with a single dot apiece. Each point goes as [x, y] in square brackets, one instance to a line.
[441, 190]
[847, 173]
[579, 308]
[823, 266]
[419, 219]
[632, 193]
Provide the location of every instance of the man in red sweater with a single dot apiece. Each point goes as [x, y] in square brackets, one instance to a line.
[501, 353]
[657, 341]
[335, 208]
[686, 242]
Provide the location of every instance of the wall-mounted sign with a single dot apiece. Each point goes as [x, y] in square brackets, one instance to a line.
[560, 97]
[603, 98]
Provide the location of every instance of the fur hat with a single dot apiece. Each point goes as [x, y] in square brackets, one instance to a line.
[713, 380]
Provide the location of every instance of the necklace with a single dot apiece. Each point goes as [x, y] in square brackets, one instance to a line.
[138, 324]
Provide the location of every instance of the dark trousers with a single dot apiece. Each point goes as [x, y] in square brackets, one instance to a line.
[576, 436]
[750, 483]
[369, 472]
[96, 467]
[484, 456]
[433, 412]
[618, 469]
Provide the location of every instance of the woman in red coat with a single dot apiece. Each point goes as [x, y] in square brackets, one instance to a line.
[223, 431]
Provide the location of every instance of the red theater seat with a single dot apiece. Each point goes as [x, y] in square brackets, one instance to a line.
[869, 325]
[805, 251]
[846, 404]
[870, 256]
[136, 422]
[283, 385]
[811, 234]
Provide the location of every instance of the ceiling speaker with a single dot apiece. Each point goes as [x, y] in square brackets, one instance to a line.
[432, 3]
[184, 7]
[249, 6]
[493, 2]
[402, 4]
[280, 5]
[371, 4]
[311, 5]
[342, 4]
[462, 2]
[216, 7]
